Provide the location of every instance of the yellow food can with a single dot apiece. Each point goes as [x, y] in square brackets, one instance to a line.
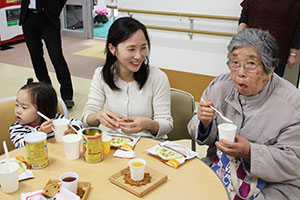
[36, 148]
[92, 145]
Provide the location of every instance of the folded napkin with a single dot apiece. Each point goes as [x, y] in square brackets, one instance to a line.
[124, 154]
[65, 194]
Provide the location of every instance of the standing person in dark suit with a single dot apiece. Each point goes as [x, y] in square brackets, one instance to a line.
[282, 20]
[40, 21]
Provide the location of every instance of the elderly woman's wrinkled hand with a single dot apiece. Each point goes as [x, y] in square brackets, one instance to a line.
[239, 149]
[205, 112]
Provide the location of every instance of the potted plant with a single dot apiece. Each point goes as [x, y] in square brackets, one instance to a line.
[101, 16]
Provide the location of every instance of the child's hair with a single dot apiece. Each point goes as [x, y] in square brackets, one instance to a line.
[43, 97]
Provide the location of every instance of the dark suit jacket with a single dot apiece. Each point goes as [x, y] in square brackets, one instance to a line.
[52, 11]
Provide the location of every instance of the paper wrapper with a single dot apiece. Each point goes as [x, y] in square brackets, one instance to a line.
[171, 153]
[122, 141]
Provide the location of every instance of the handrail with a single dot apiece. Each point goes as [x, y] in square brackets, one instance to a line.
[218, 17]
[190, 31]
[190, 15]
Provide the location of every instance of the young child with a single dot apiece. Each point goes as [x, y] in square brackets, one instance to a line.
[33, 97]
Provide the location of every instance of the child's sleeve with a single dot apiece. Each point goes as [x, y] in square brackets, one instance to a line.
[17, 133]
[77, 124]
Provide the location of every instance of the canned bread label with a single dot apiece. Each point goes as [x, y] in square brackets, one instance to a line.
[37, 154]
[92, 148]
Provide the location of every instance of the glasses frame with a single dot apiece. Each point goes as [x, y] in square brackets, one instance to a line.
[244, 66]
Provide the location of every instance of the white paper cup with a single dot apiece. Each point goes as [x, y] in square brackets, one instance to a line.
[72, 146]
[60, 126]
[69, 180]
[137, 168]
[9, 177]
[227, 131]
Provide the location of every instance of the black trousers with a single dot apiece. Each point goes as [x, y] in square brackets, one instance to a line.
[36, 28]
[280, 70]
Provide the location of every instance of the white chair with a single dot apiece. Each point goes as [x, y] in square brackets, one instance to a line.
[182, 107]
[7, 118]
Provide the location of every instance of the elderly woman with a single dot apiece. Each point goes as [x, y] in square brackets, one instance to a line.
[266, 110]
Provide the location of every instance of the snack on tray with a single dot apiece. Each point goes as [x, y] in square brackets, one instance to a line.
[80, 192]
[51, 189]
[128, 180]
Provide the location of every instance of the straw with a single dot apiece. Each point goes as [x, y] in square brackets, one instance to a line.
[7, 156]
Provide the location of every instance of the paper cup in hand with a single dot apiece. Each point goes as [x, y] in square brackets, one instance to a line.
[106, 144]
[60, 126]
[69, 180]
[72, 146]
[227, 131]
[9, 177]
[137, 168]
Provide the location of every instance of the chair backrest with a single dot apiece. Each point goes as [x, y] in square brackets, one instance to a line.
[7, 118]
[182, 108]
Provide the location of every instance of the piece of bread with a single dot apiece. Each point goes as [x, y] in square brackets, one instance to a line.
[51, 189]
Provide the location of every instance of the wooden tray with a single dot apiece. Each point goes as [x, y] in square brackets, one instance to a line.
[157, 178]
[86, 186]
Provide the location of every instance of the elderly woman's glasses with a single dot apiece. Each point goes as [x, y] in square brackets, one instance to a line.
[249, 66]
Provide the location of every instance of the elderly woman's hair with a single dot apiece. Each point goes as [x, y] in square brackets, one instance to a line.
[262, 41]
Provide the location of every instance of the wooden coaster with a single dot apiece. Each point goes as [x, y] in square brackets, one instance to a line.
[128, 180]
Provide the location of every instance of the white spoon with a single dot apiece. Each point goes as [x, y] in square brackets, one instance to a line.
[47, 118]
[225, 118]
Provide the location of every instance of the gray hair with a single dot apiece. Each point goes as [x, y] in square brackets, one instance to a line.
[262, 41]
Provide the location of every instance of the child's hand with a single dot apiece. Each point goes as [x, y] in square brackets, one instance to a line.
[46, 126]
[69, 131]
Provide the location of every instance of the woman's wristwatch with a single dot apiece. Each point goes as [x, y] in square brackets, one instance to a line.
[293, 54]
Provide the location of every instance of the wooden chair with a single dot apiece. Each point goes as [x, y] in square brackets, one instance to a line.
[7, 118]
[182, 108]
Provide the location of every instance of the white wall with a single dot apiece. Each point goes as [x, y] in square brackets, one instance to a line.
[203, 54]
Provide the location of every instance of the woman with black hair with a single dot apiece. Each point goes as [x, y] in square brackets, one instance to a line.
[137, 95]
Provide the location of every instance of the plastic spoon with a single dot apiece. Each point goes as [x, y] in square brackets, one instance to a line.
[47, 118]
[7, 156]
[225, 118]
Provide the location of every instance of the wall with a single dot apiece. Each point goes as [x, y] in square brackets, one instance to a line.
[204, 55]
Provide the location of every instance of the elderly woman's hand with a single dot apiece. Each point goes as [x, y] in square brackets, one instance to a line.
[205, 112]
[241, 148]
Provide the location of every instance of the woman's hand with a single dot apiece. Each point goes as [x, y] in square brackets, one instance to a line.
[108, 119]
[46, 126]
[138, 124]
[206, 113]
[239, 149]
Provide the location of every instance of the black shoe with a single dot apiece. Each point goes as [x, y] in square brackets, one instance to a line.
[69, 103]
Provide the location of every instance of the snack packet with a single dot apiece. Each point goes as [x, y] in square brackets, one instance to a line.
[171, 153]
[122, 141]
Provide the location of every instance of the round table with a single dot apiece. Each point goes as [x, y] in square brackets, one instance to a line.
[192, 180]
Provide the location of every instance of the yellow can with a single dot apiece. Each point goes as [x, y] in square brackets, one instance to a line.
[92, 145]
[36, 147]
